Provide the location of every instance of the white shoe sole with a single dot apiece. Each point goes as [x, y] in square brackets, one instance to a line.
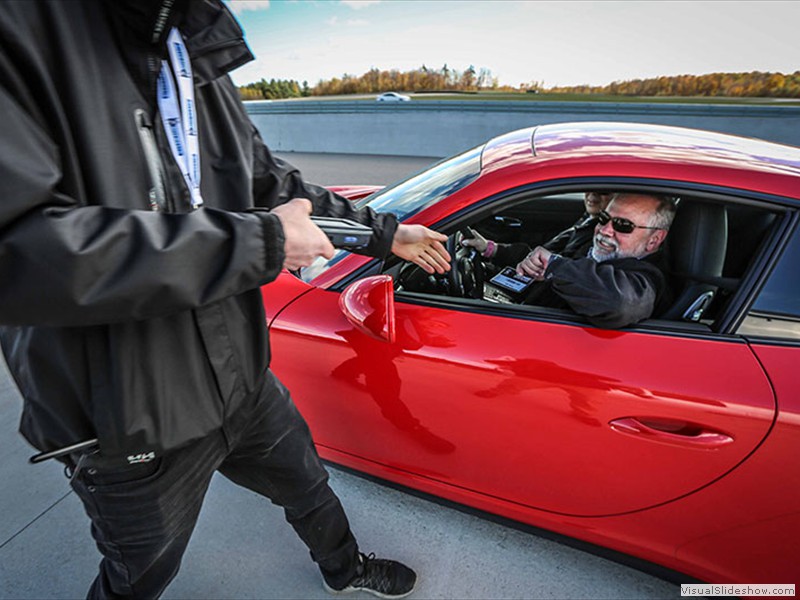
[351, 590]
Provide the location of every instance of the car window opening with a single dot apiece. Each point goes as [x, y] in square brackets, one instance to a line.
[709, 249]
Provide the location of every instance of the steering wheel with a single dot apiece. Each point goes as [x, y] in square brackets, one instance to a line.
[466, 275]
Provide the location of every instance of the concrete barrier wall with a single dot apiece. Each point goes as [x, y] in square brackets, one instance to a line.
[441, 128]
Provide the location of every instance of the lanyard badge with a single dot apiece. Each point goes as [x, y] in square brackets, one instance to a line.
[178, 113]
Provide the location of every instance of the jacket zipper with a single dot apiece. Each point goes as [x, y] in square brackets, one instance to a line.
[158, 192]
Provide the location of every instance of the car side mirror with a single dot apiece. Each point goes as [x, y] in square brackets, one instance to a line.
[369, 305]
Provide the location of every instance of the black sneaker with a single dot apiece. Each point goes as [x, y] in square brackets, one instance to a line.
[380, 577]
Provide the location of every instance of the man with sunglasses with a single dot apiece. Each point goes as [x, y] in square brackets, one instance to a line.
[568, 242]
[621, 280]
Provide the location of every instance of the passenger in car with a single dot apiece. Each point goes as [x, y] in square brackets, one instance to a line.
[622, 279]
[569, 242]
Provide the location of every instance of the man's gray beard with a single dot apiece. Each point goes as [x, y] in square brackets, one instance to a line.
[602, 257]
[614, 255]
[596, 256]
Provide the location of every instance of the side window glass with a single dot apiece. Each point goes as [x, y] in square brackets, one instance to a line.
[781, 294]
[776, 311]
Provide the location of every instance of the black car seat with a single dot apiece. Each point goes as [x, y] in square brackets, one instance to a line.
[748, 227]
[695, 250]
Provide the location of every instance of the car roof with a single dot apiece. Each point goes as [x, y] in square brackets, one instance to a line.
[649, 151]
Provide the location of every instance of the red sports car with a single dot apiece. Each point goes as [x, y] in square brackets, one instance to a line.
[674, 441]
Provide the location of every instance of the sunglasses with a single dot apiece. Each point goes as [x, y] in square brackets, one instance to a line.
[619, 224]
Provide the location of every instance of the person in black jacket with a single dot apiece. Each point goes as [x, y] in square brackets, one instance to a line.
[621, 280]
[567, 242]
[140, 213]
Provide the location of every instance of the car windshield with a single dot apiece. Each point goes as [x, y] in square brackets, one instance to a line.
[411, 196]
[428, 187]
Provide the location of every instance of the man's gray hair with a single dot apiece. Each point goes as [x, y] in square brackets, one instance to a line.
[665, 210]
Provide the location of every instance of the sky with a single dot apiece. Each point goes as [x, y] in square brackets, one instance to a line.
[553, 43]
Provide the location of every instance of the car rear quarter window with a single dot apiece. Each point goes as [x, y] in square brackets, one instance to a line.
[776, 311]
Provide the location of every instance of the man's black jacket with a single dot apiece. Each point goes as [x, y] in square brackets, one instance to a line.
[141, 327]
[610, 294]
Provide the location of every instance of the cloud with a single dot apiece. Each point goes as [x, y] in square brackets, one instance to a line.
[524, 41]
[359, 4]
[335, 22]
[239, 6]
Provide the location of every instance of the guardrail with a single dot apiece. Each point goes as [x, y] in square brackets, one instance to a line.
[444, 127]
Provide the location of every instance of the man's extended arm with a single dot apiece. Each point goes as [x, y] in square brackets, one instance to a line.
[611, 294]
[277, 182]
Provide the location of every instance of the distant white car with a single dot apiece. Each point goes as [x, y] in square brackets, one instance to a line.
[392, 97]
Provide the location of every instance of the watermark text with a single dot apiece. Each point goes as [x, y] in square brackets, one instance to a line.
[737, 589]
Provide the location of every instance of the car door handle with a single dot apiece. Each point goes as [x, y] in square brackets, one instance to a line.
[508, 221]
[672, 431]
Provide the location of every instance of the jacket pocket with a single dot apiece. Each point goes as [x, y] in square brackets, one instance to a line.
[158, 189]
[152, 387]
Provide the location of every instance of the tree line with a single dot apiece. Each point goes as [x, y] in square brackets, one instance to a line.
[754, 84]
[424, 79]
[274, 89]
[375, 81]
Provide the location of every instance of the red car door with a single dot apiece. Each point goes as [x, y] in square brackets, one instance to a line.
[558, 417]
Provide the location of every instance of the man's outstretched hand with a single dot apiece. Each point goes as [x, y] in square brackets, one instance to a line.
[422, 246]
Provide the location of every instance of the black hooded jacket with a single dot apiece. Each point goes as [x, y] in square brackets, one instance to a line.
[143, 328]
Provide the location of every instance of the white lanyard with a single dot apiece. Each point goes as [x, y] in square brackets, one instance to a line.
[180, 120]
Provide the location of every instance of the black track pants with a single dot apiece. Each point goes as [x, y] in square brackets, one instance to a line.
[143, 515]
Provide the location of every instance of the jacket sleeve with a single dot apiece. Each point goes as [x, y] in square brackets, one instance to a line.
[609, 295]
[66, 263]
[275, 182]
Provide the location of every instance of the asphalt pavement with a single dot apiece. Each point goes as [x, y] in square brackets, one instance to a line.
[242, 547]
[355, 169]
